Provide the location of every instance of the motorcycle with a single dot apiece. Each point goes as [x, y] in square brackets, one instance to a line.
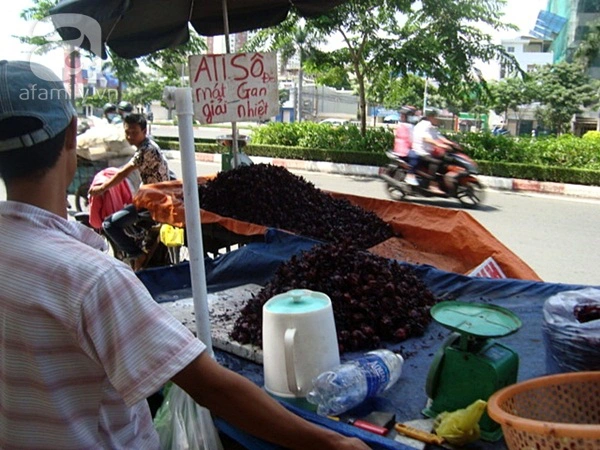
[148, 234]
[455, 177]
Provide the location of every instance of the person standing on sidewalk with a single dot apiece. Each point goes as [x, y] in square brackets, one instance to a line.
[153, 167]
[83, 343]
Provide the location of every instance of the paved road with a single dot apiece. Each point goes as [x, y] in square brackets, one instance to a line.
[557, 236]
[199, 132]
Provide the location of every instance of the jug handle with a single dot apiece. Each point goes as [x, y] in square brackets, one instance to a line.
[290, 368]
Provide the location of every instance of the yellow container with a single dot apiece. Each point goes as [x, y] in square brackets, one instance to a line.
[171, 236]
[554, 412]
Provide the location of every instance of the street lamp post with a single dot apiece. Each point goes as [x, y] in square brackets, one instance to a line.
[300, 77]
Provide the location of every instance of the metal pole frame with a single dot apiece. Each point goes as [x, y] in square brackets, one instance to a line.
[234, 130]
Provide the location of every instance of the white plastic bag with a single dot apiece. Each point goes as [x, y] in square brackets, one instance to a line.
[571, 346]
[182, 424]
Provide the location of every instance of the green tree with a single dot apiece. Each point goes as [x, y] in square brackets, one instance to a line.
[151, 88]
[563, 90]
[39, 11]
[125, 70]
[293, 37]
[394, 92]
[170, 63]
[510, 94]
[588, 53]
[328, 69]
[45, 43]
[438, 39]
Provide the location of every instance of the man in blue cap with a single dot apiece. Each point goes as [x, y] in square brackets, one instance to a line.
[82, 342]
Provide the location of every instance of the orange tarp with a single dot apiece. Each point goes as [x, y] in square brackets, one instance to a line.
[165, 203]
[445, 238]
[448, 239]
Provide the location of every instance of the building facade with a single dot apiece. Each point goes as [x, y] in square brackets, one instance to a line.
[320, 102]
[567, 22]
[530, 52]
[217, 44]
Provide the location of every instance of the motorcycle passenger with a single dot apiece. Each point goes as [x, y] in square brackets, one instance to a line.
[403, 140]
[153, 168]
[426, 138]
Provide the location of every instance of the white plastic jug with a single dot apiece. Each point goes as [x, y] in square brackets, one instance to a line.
[299, 341]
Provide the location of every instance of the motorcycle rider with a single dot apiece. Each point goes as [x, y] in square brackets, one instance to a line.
[153, 167]
[403, 140]
[426, 138]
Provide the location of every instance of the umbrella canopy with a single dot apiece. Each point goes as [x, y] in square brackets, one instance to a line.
[133, 28]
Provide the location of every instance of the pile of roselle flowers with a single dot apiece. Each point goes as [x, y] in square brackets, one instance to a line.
[374, 299]
[272, 196]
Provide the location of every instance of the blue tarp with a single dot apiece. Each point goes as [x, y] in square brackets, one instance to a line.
[257, 262]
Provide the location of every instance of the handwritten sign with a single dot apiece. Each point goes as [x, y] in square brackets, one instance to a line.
[234, 87]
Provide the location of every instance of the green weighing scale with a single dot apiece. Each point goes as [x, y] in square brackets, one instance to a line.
[471, 365]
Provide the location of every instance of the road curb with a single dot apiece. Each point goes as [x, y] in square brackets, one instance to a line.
[505, 184]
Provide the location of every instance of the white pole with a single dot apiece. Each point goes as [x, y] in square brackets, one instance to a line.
[300, 77]
[234, 131]
[185, 113]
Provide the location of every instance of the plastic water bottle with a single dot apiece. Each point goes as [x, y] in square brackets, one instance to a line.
[349, 384]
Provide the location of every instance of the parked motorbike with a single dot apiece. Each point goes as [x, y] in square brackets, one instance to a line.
[456, 177]
[147, 233]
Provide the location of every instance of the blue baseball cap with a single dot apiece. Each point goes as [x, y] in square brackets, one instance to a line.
[28, 89]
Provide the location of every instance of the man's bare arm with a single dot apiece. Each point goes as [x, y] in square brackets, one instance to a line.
[116, 179]
[244, 405]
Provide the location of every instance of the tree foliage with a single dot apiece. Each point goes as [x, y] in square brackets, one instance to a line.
[168, 63]
[394, 92]
[509, 94]
[388, 39]
[38, 12]
[151, 88]
[563, 90]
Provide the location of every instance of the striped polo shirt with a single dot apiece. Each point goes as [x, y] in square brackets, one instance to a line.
[82, 342]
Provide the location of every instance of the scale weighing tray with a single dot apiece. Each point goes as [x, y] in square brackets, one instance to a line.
[476, 319]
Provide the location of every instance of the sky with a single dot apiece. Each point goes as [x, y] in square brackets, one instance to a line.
[522, 13]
